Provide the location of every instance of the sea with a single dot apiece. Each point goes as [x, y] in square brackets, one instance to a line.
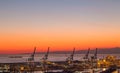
[16, 58]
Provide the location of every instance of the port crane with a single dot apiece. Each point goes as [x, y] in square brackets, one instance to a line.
[46, 55]
[94, 59]
[31, 63]
[32, 55]
[44, 61]
[95, 55]
[70, 58]
[86, 56]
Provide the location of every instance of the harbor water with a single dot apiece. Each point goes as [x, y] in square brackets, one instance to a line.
[51, 57]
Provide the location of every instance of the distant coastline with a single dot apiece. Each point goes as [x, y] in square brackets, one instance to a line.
[115, 50]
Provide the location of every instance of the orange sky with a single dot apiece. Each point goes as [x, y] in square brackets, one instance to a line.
[60, 25]
[19, 43]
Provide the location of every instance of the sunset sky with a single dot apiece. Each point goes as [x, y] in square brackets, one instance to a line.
[58, 24]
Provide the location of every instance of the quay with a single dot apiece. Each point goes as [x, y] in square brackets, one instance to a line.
[109, 64]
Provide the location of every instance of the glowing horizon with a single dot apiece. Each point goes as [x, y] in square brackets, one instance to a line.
[60, 25]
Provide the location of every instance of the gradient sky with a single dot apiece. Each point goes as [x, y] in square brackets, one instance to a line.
[59, 24]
